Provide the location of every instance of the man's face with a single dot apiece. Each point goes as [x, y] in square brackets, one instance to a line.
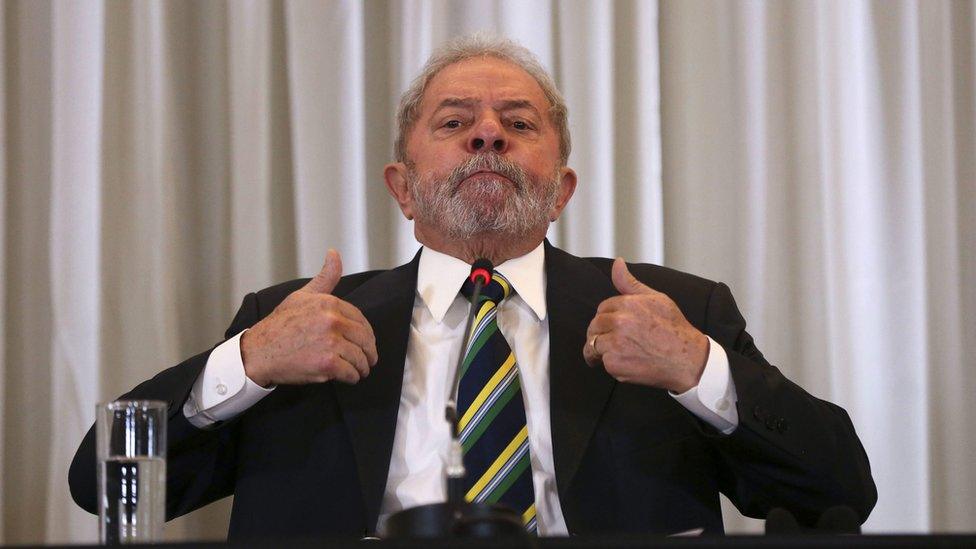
[483, 156]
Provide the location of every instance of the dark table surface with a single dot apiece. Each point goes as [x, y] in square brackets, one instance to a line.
[624, 541]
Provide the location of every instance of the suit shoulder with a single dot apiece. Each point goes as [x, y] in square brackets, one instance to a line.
[278, 292]
[658, 277]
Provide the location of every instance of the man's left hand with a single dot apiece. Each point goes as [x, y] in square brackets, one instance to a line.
[642, 337]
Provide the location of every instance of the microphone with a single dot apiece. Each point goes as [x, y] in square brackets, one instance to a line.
[481, 271]
[840, 519]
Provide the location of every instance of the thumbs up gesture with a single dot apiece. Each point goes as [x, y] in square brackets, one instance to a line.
[311, 337]
[640, 336]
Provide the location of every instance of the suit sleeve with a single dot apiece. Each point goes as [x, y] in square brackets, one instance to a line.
[790, 449]
[200, 463]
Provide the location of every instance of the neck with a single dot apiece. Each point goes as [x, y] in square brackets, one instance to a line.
[497, 248]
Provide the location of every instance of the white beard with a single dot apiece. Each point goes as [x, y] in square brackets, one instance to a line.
[464, 209]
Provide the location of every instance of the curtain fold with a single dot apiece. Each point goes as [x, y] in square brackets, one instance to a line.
[27, 416]
[3, 246]
[74, 234]
[163, 158]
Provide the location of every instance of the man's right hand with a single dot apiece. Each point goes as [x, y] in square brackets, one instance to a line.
[311, 337]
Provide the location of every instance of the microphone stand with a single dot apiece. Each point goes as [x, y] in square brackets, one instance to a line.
[457, 518]
[455, 458]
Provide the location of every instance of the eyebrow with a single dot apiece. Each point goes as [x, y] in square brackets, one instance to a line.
[515, 104]
[507, 105]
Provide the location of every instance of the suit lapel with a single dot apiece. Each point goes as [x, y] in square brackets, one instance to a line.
[578, 393]
[369, 408]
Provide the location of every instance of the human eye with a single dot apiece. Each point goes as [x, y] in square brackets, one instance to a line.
[522, 125]
[452, 124]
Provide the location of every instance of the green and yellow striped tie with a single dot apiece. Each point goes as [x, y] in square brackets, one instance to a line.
[492, 426]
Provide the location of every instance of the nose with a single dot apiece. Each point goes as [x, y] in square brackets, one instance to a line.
[487, 134]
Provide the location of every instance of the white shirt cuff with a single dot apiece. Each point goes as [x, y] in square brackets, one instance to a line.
[713, 400]
[223, 390]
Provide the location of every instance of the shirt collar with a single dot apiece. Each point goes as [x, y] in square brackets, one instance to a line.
[440, 276]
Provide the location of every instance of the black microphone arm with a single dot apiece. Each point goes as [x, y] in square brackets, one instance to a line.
[481, 271]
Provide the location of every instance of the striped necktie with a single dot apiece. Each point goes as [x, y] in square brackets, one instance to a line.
[492, 427]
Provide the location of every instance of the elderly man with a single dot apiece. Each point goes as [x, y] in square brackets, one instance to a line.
[596, 396]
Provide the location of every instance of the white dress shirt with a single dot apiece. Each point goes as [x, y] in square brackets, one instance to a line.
[420, 445]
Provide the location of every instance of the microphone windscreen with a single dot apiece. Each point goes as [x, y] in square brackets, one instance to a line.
[780, 522]
[839, 520]
[482, 268]
[482, 263]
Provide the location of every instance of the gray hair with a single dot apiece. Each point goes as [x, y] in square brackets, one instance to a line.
[480, 45]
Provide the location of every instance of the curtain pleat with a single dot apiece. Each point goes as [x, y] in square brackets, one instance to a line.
[3, 248]
[74, 232]
[27, 414]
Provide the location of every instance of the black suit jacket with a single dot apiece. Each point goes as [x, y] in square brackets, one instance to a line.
[313, 460]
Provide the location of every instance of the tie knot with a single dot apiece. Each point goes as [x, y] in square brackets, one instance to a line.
[495, 291]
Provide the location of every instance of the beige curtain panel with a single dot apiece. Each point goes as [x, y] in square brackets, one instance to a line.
[162, 158]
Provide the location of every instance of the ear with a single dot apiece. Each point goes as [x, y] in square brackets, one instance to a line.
[567, 186]
[395, 176]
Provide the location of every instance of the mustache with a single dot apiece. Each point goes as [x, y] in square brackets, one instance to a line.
[491, 162]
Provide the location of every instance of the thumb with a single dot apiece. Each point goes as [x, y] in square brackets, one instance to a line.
[329, 276]
[624, 281]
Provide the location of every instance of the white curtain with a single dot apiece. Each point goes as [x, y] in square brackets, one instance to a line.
[161, 159]
[819, 156]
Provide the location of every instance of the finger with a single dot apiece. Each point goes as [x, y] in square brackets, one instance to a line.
[363, 339]
[590, 353]
[354, 327]
[353, 354]
[341, 329]
[589, 356]
[350, 311]
[344, 371]
[369, 345]
[370, 348]
[603, 323]
[625, 282]
[652, 302]
[612, 304]
[327, 278]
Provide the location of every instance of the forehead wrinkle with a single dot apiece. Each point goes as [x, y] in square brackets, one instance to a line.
[467, 102]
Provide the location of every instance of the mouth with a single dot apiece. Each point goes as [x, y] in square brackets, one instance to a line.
[487, 174]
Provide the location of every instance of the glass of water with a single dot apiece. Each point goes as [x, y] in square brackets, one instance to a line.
[131, 437]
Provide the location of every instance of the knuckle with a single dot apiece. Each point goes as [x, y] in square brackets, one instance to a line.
[333, 340]
[331, 360]
[332, 320]
[328, 320]
[325, 302]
